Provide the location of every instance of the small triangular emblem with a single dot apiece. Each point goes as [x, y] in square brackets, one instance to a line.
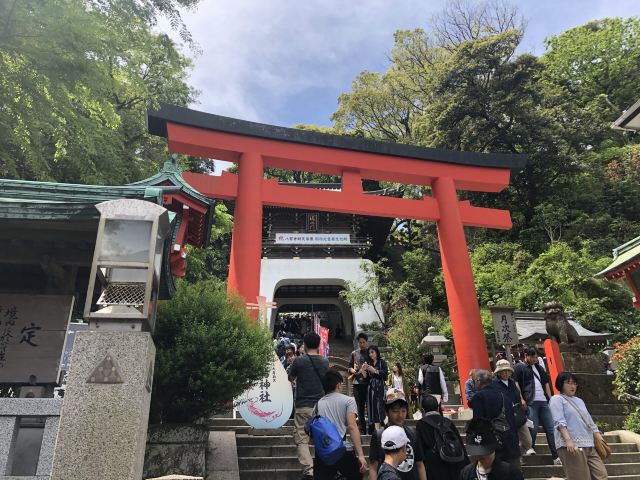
[107, 371]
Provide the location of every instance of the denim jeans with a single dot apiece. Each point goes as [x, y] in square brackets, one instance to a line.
[540, 414]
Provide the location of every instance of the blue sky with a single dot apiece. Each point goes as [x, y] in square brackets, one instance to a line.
[285, 62]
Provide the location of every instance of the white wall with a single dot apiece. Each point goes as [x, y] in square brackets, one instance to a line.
[276, 272]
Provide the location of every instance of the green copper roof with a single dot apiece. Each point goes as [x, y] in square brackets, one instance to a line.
[623, 255]
[22, 199]
[172, 173]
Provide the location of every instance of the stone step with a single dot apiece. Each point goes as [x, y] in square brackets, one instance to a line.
[536, 461]
[295, 474]
[262, 440]
[611, 477]
[289, 449]
[220, 423]
[547, 471]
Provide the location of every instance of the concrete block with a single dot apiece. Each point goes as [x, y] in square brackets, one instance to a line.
[103, 426]
[179, 449]
[8, 433]
[222, 456]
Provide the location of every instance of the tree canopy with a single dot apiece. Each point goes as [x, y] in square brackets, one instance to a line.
[464, 84]
[76, 78]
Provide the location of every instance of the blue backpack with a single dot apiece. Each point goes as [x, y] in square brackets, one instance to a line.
[326, 439]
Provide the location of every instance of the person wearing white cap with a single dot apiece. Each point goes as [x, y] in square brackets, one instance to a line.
[412, 467]
[394, 443]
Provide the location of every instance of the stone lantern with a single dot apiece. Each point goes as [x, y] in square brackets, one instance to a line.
[435, 344]
[126, 262]
[109, 386]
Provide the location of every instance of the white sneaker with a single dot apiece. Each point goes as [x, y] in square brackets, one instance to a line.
[529, 452]
[557, 461]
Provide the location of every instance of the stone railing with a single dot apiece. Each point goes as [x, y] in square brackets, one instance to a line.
[43, 410]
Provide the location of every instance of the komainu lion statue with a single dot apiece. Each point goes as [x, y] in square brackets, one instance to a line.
[559, 328]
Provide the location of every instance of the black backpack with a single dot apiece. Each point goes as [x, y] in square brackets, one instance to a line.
[448, 445]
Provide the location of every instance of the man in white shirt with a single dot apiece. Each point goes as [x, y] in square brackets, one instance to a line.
[533, 381]
[431, 380]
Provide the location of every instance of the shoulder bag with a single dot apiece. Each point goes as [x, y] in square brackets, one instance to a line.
[501, 427]
[602, 447]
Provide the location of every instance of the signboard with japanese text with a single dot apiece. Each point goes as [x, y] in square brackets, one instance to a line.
[504, 325]
[312, 222]
[313, 238]
[33, 329]
[268, 403]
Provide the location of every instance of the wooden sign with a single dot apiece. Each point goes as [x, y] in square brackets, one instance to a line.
[504, 325]
[32, 335]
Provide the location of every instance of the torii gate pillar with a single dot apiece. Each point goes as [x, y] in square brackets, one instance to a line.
[464, 312]
[246, 239]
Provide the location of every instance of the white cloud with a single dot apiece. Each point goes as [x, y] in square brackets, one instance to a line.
[257, 54]
[286, 61]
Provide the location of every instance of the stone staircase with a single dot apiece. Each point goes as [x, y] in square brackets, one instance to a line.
[271, 454]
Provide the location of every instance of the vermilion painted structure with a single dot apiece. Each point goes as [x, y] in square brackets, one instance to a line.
[255, 146]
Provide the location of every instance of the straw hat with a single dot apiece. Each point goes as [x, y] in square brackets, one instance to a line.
[502, 365]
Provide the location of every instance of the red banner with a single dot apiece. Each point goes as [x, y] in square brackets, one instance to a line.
[324, 341]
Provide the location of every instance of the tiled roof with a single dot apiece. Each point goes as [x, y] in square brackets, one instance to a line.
[531, 327]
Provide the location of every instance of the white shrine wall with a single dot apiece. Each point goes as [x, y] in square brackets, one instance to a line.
[278, 272]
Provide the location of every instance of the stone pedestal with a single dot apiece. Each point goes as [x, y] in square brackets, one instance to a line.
[594, 386]
[103, 423]
[594, 363]
[176, 449]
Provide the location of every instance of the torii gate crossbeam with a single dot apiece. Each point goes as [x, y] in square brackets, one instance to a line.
[256, 146]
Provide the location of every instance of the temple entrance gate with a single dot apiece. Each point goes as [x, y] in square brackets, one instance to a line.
[255, 146]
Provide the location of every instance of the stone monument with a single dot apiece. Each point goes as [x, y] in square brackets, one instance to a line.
[589, 367]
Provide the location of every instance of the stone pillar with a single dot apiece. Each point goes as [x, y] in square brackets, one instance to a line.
[103, 423]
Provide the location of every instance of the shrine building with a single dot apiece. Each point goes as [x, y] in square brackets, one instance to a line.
[309, 257]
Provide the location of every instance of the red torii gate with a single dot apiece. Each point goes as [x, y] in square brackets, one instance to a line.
[255, 146]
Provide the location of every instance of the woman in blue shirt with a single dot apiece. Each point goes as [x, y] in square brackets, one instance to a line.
[574, 430]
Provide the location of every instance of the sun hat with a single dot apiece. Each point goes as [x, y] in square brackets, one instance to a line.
[502, 365]
[394, 437]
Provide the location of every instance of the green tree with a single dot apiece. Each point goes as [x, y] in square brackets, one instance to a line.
[212, 262]
[505, 274]
[593, 63]
[76, 78]
[208, 352]
[376, 290]
[406, 336]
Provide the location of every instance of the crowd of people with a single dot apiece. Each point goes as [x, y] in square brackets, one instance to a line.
[509, 406]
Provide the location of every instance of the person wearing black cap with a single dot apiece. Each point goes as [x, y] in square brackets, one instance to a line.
[491, 404]
[481, 447]
[412, 468]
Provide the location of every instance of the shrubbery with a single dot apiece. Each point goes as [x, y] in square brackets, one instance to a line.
[627, 378]
[632, 422]
[208, 351]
